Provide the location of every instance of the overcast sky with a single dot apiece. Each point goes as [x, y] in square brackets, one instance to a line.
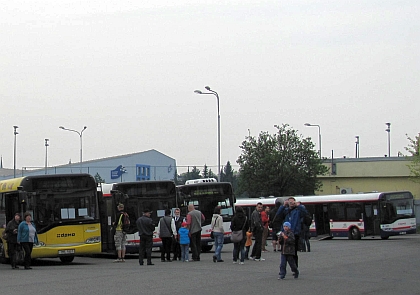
[128, 72]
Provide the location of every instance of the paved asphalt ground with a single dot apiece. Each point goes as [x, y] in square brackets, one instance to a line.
[338, 266]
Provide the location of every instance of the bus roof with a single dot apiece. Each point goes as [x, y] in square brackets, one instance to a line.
[346, 197]
[200, 180]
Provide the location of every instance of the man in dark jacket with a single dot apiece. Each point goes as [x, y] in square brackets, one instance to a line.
[257, 231]
[275, 224]
[293, 213]
[146, 228]
[12, 245]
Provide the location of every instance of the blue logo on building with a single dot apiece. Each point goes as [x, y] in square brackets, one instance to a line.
[117, 172]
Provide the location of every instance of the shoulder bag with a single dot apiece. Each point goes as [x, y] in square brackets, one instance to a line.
[212, 233]
[238, 235]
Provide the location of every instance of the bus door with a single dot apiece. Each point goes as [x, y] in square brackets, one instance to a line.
[13, 202]
[322, 221]
[105, 213]
[371, 219]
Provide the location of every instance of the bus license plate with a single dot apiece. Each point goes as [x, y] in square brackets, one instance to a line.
[156, 249]
[65, 252]
[403, 233]
[210, 243]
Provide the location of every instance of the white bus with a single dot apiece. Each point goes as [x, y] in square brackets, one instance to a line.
[354, 216]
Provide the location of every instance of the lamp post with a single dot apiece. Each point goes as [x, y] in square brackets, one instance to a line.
[14, 151]
[80, 133]
[389, 138]
[46, 154]
[218, 125]
[319, 135]
[357, 147]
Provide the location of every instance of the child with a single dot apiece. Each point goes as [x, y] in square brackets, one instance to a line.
[248, 243]
[184, 241]
[287, 240]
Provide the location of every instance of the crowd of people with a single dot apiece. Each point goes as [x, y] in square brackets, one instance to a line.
[181, 233]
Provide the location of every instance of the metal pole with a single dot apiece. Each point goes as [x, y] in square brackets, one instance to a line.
[81, 143]
[218, 126]
[319, 136]
[46, 154]
[14, 151]
[389, 138]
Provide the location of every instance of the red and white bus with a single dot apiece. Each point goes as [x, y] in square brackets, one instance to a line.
[382, 214]
[355, 216]
[156, 196]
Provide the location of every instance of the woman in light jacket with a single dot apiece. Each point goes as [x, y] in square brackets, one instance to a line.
[27, 236]
[218, 231]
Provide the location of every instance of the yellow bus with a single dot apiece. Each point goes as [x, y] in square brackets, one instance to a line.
[64, 208]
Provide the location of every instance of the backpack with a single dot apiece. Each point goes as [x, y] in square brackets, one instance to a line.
[307, 219]
[125, 226]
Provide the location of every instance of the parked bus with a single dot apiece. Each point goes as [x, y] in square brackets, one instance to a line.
[136, 196]
[249, 204]
[355, 216]
[206, 196]
[64, 208]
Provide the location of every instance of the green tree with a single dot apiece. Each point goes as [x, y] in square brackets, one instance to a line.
[414, 150]
[281, 164]
[229, 175]
[205, 171]
[98, 178]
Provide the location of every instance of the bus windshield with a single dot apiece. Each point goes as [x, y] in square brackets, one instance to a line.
[395, 209]
[207, 196]
[61, 200]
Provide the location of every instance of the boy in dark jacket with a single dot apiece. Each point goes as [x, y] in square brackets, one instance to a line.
[287, 240]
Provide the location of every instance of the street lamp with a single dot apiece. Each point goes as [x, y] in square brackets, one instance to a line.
[14, 151]
[218, 125]
[389, 138]
[46, 154]
[357, 147]
[319, 135]
[81, 144]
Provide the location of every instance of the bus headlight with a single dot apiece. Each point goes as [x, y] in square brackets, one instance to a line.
[93, 240]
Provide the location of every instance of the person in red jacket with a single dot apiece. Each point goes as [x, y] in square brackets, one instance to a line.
[265, 219]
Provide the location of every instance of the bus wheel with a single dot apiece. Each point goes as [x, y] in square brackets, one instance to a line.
[66, 259]
[354, 234]
[206, 248]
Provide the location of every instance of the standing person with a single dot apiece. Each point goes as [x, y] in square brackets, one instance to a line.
[176, 248]
[248, 243]
[27, 237]
[184, 241]
[287, 240]
[293, 213]
[194, 219]
[166, 231]
[219, 233]
[257, 231]
[120, 237]
[275, 224]
[12, 245]
[146, 227]
[239, 222]
[264, 220]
